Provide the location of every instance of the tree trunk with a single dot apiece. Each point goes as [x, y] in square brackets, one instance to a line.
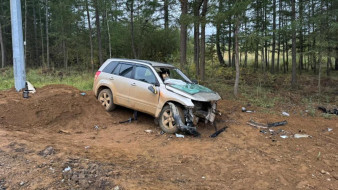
[196, 9]
[237, 25]
[90, 38]
[218, 33]
[203, 23]
[42, 42]
[273, 38]
[229, 45]
[279, 33]
[166, 14]
[47, 38]
[301, 36]
[2, 47]
[98, 28]
[183, 37]
[35, 35]
[108, 31]
[294, 64]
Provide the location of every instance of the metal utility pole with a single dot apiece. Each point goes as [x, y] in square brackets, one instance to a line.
[17, 43]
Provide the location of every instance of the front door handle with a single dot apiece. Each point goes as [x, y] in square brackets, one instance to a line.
[133, 84]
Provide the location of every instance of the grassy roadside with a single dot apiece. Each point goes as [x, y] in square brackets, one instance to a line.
[40, 78]
[268, 92]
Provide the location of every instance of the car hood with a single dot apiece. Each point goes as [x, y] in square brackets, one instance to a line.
[193, 91]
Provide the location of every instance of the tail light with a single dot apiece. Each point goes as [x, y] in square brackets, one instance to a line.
[97, 74]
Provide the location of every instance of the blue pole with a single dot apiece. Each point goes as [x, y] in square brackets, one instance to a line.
[17, 43]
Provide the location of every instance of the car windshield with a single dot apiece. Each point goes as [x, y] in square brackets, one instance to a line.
[172, 75]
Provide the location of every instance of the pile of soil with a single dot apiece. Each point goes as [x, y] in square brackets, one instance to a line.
[60, 139]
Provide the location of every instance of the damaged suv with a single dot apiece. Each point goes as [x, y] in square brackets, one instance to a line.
[158, 89]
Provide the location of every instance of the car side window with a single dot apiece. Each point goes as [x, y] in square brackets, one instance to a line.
[110, 67]
[144, 74]
[117, 69]
[126, 70]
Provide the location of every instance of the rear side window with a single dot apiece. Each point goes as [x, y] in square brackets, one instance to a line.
[126, 70]
[117, 70]
[110, 67]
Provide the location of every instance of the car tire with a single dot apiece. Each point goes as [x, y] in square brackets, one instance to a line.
[166, 119]
[106, 99]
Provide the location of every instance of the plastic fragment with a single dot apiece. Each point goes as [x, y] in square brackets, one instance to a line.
[285, 113]
[284, 136]
[67, 169]
[179, 135]
[297, 136]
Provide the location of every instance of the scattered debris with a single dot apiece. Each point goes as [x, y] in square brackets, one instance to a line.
[25, 94]
[67, 169]
[86, 147]
[179, 135]
[285, 114]
[47, 151]
[83, 93]
[297, 136]
[257, 125]
[247, 111]
[116, 187]
[148, 131]
[30, 87]
[218, 132]
[63, 131]
[276, 124]
[134, 118]
[329, 129]
[284, 136]
[96, 127]
[333, 111]
[162, 132]
[22, 183]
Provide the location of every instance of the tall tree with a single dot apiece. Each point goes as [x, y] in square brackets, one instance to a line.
[130, 7]
[196, 10]
[2, 47]
[98, 30]
[219, 21]
[203, 23]
[90, 37]
[294, 64]
[273, 37]
[184, 26]
[47, 35]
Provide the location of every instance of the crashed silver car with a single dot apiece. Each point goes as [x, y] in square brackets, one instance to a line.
[158, 89]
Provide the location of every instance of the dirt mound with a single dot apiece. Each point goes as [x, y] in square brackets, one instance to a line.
[51, 106]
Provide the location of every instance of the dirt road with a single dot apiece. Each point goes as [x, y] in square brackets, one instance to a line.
[59, 139]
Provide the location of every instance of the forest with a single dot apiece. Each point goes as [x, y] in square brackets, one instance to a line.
[199, 36]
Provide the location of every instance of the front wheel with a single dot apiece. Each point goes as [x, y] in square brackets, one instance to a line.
[167, 121]
[106, 99]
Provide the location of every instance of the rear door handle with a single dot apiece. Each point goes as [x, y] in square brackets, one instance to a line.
[133, 84]
[111, 78]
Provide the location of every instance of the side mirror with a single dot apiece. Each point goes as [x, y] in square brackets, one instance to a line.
[194, 81]
[152, 89]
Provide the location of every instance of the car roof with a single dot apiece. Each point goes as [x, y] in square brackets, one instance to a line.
[152, 63]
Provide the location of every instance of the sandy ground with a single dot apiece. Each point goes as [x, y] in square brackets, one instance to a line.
[59, 139]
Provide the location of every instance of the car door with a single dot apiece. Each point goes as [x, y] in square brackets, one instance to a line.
[122, 82]
[145, 100]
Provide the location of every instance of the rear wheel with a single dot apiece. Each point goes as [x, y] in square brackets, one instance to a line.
[106, 99]
[167, 121]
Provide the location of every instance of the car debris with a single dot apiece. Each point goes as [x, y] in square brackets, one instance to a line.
[83, 93]
[324, 110]
[285, 114]
[276, 124]
[134, 118]
[63, 131]
[284, 136]
[218, 132]
[67, 169]
[329, 129]
[257, 125]
[297, 136]
[247, 111]
[148, 131]
[189, 128]
[179, 135]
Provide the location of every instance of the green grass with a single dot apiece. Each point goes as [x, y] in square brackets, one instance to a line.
[80, 80]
